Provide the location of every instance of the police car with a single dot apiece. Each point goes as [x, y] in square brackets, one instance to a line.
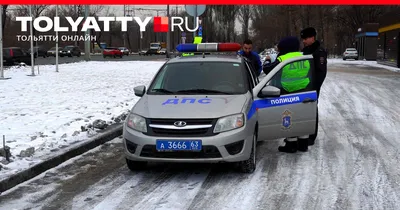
[212, 108]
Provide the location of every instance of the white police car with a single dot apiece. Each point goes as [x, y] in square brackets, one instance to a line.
[211, 108]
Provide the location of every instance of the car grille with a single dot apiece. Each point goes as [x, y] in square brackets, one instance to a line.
[167, 132]
[206, 152]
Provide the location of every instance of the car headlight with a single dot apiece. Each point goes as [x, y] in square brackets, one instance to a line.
[229, 123]
[136, 122]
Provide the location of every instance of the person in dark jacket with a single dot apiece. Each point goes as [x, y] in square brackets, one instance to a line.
[247, 52]
[313, 47]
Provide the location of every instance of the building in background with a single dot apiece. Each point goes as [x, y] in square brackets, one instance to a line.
[388, 51]
[367, 41]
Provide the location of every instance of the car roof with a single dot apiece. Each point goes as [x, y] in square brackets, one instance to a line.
[207, 58]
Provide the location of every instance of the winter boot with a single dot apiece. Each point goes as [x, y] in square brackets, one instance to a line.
[290, 146]
[302, 143]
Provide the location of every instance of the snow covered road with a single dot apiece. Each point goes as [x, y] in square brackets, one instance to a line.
[353, 165]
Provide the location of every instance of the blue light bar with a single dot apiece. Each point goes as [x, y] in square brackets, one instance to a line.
[187, 48]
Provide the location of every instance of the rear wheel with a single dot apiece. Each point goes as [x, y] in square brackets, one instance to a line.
[249, 165]
[135, 165]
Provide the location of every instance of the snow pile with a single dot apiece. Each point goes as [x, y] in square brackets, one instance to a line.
[42, 115]
[361, 63]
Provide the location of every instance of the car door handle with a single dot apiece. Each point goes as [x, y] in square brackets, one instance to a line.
[308, 100]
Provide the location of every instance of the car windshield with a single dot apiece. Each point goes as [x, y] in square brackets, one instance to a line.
[199, 78]
[69, 47]
[351, 49]
[154, 45]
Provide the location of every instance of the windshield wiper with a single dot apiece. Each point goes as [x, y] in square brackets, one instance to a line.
[202, 91]
[162, 90]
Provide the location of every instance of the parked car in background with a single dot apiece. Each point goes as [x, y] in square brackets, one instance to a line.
[38, 52]
[70, 51]
[163, 51]
[13, 55]
[52, 51]
[112, 52]
[350, 53]
[124, 50]
[146, 52]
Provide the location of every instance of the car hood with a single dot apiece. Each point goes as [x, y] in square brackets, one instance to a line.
[186, 106]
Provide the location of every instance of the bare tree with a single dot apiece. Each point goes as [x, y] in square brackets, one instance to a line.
[4, 18]
[244, 17]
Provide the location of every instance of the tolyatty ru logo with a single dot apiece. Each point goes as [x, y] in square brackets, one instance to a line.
[160, 24]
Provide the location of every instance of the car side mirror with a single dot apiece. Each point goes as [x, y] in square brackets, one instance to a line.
[269, 91]
[140, 90]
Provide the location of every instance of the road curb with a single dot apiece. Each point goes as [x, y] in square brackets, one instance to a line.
[107, 135]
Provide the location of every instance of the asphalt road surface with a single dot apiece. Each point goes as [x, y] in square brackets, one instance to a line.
[61, 60]
[353, 165]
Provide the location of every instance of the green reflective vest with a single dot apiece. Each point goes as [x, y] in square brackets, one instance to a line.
[187, 54]
[294, 75]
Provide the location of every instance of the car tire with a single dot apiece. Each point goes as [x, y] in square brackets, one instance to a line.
[249, 165]
[121, 56]
[135, 165]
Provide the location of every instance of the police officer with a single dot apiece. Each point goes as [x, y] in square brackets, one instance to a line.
[313, 47]
[290, 81]
[247, 51]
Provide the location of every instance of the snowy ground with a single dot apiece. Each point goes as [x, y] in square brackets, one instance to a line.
[360, 63]
[46, 112]
[353, 165]
[41, 116]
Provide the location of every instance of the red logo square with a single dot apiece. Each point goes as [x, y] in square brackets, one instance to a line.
[160, 24]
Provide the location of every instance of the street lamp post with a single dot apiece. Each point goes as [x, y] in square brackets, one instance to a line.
[32, 50]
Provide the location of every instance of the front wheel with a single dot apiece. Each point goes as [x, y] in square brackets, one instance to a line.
[249, 165]
[135, 165]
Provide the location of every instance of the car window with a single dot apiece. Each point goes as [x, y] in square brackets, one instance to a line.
[6, 52]
[251, 77]
[226, 77]
[284, 78]
[18, 52]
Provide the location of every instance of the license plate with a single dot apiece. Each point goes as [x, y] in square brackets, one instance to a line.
[178, 145]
